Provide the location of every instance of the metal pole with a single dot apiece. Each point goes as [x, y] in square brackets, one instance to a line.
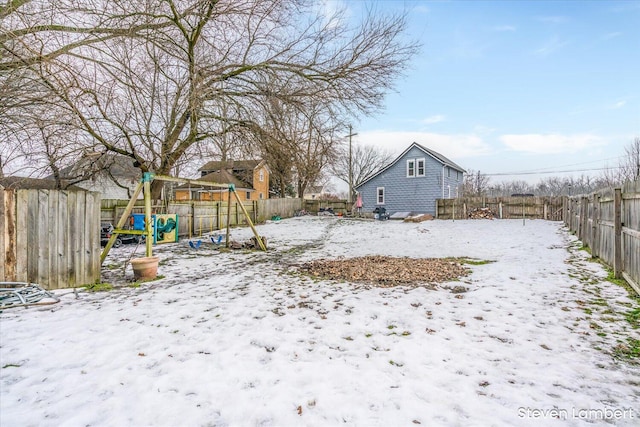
[228, 216]
[146, 179]
[350, 195]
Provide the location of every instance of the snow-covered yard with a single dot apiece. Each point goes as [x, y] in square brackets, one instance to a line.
[244, 339]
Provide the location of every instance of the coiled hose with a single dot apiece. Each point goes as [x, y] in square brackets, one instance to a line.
[22, 294]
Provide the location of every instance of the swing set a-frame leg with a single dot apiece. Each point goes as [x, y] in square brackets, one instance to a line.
[121, 222]
[246, 215]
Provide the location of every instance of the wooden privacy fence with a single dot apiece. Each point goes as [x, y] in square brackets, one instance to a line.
[608, 222]
[550, 208]
[196, 218]
[50, 237]
[314, 206]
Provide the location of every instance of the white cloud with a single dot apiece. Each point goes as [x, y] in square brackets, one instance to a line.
[610, 36]
[502, 28]
[451, 146]
[616, 105]
[433, 119]
[552, 19]
[550, 143]
[332, 11]
[421, 9]
[551, 46]
[483, 130]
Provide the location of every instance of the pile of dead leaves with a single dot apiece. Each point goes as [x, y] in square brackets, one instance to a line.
[386, 272]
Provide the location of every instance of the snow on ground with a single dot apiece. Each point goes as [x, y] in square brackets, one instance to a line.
[243, 339]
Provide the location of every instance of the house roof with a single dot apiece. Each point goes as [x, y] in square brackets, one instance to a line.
[118, 167]
[221, 177]
[312, 189]
[231, 164]
[23, 183]
[439, 157]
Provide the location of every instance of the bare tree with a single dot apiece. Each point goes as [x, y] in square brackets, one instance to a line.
[150, 80]
[298, 142]
[475, 184]
[366, 160]
[630, 164]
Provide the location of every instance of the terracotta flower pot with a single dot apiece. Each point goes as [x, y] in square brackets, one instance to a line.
[145, 268]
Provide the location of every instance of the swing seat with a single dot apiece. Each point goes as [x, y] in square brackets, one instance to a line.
[196, 244]
[216, 239]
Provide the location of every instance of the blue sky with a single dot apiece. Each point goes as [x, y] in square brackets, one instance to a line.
[515, 86]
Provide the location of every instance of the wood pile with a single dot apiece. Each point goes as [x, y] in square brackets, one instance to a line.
[419, 218]
[385, 272]
[249, 244]
[481, 213]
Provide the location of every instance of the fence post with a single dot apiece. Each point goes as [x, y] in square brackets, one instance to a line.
[584, 220]
[595, 239]
[617, 246]
[192, 213]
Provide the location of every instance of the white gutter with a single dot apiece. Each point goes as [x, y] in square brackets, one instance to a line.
[443, 166]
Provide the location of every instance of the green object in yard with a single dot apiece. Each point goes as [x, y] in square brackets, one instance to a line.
[276, 218]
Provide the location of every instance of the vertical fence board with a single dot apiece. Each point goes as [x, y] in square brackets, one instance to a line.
[53, 234]
[3, 234]
[23, 216]
[93, 208]
[7, 235]
[614, 218]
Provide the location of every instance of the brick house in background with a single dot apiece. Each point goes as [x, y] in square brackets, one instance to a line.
[250, 178]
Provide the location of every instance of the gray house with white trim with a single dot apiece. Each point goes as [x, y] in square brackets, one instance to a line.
[412, 182]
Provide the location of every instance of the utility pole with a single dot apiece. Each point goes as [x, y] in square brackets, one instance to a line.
[350, 195]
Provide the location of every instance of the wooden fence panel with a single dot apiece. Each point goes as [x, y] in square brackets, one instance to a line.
[197, 218]
[284, 208]
[631, 236]
[550, 208]
[613, 230]
[55, 237]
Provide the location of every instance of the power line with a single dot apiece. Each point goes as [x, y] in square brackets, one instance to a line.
[574, 164]
[550, 172]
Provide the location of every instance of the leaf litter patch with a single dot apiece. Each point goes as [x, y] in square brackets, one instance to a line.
[386, 272]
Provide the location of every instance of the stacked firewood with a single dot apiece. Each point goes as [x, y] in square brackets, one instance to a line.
[481, 213]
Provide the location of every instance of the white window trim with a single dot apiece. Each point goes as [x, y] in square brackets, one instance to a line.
[424, 166]
[411, 162]
[378, 202]
[261, 175]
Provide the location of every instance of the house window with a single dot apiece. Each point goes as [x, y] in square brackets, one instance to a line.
[448, 172]
[248, 195]
[261, 175]
[380, 195]
[261, 196]
[411, 168]
[458, 175]
[420, 163]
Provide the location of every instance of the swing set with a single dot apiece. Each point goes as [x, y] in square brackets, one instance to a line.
[196, 243]
[145, 186]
